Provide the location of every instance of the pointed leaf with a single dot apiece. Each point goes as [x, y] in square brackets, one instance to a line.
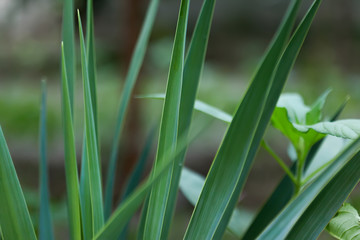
[72, 181]
[133, 72]
[157, 216]
[15, 220]
[93, 164]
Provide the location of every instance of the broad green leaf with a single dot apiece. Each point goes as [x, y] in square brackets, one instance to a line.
[133, 72]
[157, 215]
[342, 165]
[92, 154]
[285, 189]
[348, 128]
[15, 220]
[231, 165]
[71, 174]
[191, 184]
[45, 223]
[346, 224]
[328, 200]
[68, 38]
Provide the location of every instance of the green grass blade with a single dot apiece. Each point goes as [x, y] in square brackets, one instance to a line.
[138, 171]
[192, 70]
[91, 143]
[91, 58]
[156, 216]
[85, 198]
[15, 220]
[283, 193]
[72, 181]
[141, 225]
[68, 38]
[119, 219]
[231, 165]
[45, 224]
[343, 166]
[133, 72]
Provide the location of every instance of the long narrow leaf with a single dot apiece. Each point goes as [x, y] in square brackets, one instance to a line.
[45, 223]
[192, 70]
[68, 38]
[119, 219]
[72, 181]
[227, 174]
[135, 65]
[91, 143]
[84, 177]
[15, 220]
[157, 217]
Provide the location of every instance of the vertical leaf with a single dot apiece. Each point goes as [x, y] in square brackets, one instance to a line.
[155, 219]
[72, 181]
[234, 158]
[68, 37]
[133, 72]
[45, 223]
[93, 164]
[15, 220]
[192, 71]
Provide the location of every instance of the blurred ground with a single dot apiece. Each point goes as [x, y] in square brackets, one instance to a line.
[30, 33]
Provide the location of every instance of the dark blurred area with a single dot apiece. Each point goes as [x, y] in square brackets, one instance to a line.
[30, 36]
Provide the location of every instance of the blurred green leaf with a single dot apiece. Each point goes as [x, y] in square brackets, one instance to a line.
[191, 184]
[15, 220]
[133, 72]
[346, 224]
[46, 231]
[68, 38]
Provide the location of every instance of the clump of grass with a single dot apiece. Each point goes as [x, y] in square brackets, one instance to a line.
[288, 210]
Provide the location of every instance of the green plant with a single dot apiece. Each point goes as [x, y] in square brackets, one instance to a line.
[215, 208]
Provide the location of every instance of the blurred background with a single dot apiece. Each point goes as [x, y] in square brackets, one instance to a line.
[30, 36]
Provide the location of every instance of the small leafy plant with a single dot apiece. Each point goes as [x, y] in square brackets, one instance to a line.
[295, 210]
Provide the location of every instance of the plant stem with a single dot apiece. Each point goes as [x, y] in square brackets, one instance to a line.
[279, 161]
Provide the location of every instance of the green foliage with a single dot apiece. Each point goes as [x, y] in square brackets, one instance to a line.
[345, 225]
[300, 207]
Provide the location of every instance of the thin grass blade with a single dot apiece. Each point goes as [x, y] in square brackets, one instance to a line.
[119, 219]
[342, 167]
[45, 224]
[68, 38]
[132, 75]
[227, 174]
[15, 219]
[71, 174]
[91, 143]
[156, 219]
[192, 71]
